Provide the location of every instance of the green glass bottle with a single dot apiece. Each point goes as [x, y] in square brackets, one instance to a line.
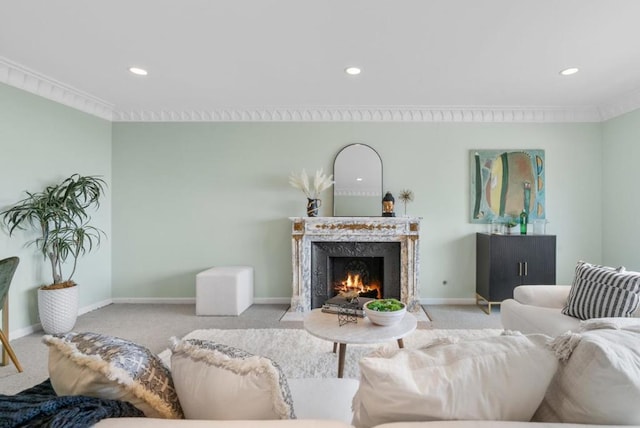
[524, 218]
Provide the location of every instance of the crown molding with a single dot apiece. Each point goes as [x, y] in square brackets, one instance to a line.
[21, 77]
[473, 114]
[620, 105]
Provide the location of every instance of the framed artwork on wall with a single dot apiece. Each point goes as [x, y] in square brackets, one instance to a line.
[506, 182]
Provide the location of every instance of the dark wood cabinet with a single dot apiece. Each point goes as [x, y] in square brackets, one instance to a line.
[505, 261]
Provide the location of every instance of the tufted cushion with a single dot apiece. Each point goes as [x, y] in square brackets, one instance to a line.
[601, 291]
[216, 381]
[108, 367]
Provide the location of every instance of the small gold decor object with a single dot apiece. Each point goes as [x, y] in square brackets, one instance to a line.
[387, 205]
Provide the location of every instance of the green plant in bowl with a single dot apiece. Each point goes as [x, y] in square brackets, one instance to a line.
[385, 312]
[386, 305]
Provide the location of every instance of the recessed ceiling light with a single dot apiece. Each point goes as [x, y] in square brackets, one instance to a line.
[359, 179]
[139, 71]
[569, 71]
[354, 71]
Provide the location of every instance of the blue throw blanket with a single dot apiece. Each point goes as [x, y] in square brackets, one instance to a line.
[39, 406]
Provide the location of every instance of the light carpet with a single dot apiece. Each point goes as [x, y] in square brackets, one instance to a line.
[301, 355]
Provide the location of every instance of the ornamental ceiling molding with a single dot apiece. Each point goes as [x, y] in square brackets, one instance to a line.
[621, 105]
[21, 77]
[369, 114]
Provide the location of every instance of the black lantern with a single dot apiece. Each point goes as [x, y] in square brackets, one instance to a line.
[387, 205]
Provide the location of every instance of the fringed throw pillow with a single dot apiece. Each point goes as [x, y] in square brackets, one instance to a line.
[220, 382]
[601, 291]
[108, 367]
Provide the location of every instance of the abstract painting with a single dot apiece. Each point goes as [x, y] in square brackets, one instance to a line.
[506, 182]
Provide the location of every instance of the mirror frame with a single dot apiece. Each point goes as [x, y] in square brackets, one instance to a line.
[341, 151]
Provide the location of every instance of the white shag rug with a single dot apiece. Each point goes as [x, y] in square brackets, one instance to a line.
[301, 355]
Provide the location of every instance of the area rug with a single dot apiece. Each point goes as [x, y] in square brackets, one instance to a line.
[301, 355]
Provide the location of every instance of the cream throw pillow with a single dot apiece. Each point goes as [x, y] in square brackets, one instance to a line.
[496, 378]
[598, 381]
[216, 381]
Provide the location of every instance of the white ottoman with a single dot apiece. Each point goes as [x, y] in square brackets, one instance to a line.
[224, 290]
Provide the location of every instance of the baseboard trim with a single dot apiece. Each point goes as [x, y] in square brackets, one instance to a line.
[156, 300]
[272, 300]
[448, 301]
[34, 328]
[92, 307]
[25, 331]
[192, 300]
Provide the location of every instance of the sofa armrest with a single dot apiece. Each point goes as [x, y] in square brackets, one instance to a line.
[546, 296]
[530, 319]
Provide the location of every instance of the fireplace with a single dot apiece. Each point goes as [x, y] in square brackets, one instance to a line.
[362, 275]
[325, 248]
[372, 268]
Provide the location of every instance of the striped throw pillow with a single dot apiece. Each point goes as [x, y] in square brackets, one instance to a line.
[602, 291]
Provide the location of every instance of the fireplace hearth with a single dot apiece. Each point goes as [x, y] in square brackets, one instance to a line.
[382, 250]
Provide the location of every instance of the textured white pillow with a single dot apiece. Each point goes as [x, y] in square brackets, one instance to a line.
[216, 381]
[599, 380]
[108, 367]
[495, 378]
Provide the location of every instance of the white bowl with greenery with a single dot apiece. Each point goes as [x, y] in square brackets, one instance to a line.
[385, 311]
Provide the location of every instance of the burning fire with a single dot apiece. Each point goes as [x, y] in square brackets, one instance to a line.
[354, 283]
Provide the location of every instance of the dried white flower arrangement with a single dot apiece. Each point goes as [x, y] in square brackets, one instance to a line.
[321, 182]
[406, 196]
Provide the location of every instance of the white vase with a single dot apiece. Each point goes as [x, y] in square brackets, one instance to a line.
[58, 309]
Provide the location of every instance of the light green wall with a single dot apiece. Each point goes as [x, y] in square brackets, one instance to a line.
[621, 200]
[42, 142]
[188, 196]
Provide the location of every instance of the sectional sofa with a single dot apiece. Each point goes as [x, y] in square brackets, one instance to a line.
[547, 369]
[537, 309]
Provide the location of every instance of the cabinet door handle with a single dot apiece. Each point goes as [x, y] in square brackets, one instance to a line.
[526, 268]
[519, 268]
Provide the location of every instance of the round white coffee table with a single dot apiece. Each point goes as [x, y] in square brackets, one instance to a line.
[325, 326]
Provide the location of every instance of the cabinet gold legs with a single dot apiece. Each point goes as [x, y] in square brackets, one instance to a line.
[485, 304]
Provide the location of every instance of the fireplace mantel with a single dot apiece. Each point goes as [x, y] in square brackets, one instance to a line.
[306, 230]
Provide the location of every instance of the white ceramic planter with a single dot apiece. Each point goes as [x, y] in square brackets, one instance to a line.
[58, 309]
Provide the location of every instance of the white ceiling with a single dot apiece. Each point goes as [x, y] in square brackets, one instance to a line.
[207, 57]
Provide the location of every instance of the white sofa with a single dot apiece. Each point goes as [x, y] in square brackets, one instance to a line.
[537, 309]
[326, 403]
[322, 403]
[310, 423]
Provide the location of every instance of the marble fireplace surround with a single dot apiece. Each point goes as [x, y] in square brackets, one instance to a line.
[307, 230]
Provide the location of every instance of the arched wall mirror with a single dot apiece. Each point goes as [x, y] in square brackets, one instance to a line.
[357, 191]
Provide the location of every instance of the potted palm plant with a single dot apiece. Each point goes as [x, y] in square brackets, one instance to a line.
[59, 214]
